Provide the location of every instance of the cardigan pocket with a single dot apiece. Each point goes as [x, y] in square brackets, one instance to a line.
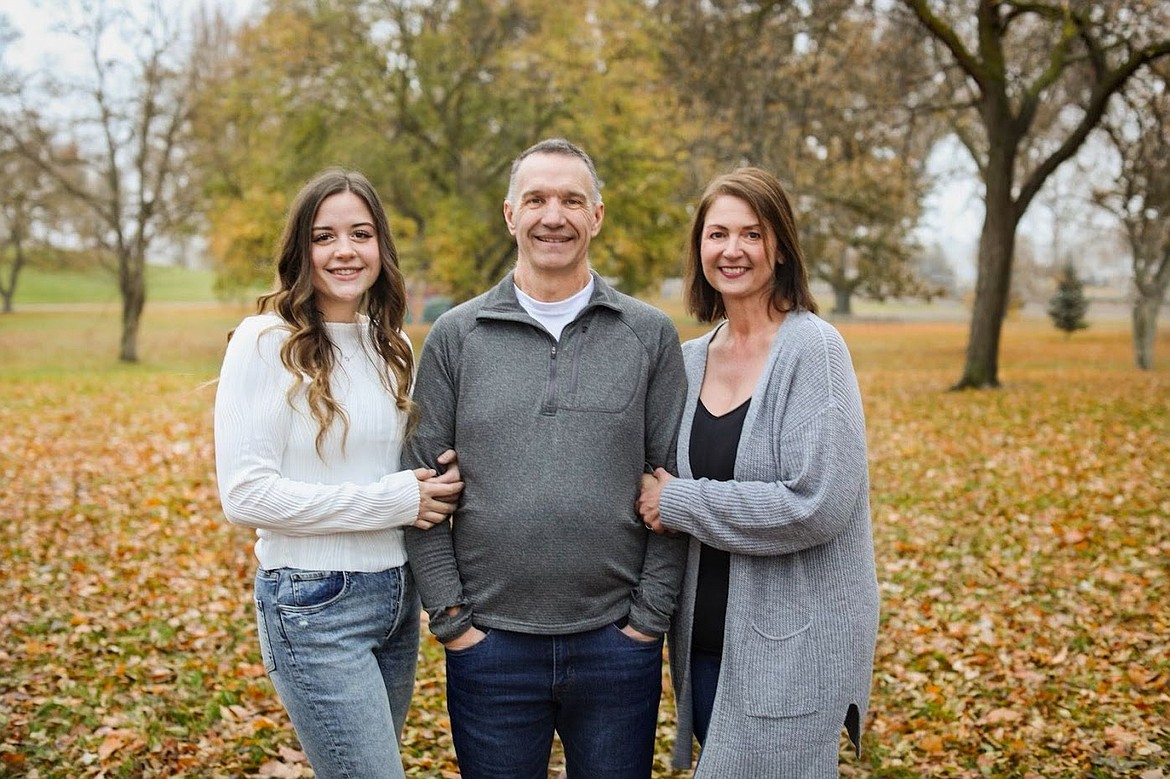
[780, 677]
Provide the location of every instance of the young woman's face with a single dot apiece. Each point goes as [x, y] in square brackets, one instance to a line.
[345, 255]
[735, 251]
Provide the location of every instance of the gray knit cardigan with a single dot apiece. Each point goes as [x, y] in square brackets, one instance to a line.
[802, 609]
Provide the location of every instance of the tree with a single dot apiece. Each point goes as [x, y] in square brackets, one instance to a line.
[463, 87]
[824, 97]
[264, 120]
[1139, 196]
[23, 197]
[116, 150]
[474, 82]
[435, 137]
[27, 201]
[627, 114]
[32, 205]
[1027, 82]
[471, 84]
[17, 201]
[1068, 305]
[861, 154]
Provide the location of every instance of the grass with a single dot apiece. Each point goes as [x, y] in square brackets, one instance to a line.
[164, 283]
[1021, 536]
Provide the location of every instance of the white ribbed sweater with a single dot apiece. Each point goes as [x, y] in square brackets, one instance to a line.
[341, 512]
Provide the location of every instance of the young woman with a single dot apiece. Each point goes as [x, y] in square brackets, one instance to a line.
[772, 646]
[311, 410]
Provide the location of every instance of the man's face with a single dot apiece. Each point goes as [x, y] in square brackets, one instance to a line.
[554, 216]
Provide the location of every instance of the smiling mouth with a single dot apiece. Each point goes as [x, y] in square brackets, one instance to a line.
[345, 273]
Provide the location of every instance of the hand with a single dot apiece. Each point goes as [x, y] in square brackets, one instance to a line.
[450, 463]
[438, 493]
[466, 639]
[650, 499]
[638, 635]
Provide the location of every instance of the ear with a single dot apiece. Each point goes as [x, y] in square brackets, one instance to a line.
[508, 218]
[598, 216]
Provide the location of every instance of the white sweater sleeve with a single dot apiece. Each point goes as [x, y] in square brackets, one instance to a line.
[254, 423]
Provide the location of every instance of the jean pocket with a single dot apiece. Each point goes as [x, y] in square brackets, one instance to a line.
[784, 678]
[302, 591]
[628, 639]
[266, 655]
[467, 650]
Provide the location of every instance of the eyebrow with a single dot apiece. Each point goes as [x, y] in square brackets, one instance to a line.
[330, 227]
[710, 225]
[563, 193]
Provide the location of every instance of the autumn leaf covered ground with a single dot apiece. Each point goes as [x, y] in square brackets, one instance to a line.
[1023, 539]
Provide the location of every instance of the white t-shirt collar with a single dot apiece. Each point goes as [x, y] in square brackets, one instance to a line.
[555, 315]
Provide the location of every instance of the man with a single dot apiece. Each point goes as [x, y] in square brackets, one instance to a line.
[550, 596]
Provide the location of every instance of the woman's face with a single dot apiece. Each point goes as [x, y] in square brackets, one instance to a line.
[736, 252]
[345, 255]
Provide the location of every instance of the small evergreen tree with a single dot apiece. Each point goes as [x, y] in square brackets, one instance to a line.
[1068, 304]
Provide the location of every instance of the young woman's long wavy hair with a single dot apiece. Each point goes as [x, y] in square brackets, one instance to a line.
[308, 352]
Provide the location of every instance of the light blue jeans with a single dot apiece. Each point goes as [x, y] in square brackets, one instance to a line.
[340, 648]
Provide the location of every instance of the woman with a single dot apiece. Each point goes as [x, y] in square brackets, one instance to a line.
[310, 413]
[772, 646]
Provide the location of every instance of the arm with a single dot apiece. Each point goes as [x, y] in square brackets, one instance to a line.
[253, 421]
[665, 560]
[432, 552]
[818, 457]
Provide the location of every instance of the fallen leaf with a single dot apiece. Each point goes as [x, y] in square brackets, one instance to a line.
[996, 716]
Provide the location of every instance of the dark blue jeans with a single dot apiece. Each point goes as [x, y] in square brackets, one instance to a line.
[598, 690]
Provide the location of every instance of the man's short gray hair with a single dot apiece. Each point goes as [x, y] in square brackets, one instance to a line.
[556, 146]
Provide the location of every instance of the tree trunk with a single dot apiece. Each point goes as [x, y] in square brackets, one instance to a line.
[992, 288]
[993, 282]
[132, 284]
[8, 291]
[1145, 329]
[843, 297]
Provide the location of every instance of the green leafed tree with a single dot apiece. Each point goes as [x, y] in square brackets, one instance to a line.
[433, 101]
[1068, 305]
[477, 82]
[268, 116]
[466, 91]
[628, 116]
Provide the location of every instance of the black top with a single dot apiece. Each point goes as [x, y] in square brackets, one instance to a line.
[713, 444]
